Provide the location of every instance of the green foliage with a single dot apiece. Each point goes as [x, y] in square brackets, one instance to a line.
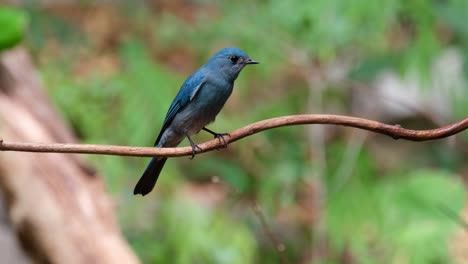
[413, 206]
[401, 34]
[382, 213]
[13, 24]
[194, 234]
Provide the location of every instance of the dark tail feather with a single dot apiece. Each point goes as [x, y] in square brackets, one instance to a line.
[149, 177]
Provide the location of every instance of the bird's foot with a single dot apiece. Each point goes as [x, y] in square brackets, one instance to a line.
[219, 136]
[194, 147]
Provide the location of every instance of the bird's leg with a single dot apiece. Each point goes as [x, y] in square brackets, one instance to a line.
[219, 136]
[194, 147]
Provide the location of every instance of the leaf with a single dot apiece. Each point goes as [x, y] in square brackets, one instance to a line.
[13, 24]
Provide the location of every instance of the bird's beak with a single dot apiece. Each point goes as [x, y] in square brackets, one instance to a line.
[250, 61]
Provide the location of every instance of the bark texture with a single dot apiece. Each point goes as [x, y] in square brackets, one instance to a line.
[56, 203]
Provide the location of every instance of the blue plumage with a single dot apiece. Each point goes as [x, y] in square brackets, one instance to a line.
[197, 103]
[182, 98]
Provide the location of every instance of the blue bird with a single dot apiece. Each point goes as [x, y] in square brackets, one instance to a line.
[199, 100]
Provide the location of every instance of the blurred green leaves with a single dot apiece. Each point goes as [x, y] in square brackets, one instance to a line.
[191, 233]
[382, 213]
[414, 207]
[424, 199]
[13, 23]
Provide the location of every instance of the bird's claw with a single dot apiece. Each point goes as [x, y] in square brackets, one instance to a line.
[194, 150]
[221, 138]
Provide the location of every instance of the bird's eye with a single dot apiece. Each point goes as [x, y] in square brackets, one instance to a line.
[234, 59]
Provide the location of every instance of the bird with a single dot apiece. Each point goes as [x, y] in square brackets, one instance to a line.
[199, 100]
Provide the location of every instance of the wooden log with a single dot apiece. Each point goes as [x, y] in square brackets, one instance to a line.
[57, 204]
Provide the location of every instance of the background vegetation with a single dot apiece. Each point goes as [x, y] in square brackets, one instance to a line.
[295, 194]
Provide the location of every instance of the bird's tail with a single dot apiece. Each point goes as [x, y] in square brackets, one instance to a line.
[149, 177]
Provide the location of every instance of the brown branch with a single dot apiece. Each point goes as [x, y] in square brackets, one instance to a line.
[394, 131]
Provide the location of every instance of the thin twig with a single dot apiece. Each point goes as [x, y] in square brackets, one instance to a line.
[279, 247]
[394, 131]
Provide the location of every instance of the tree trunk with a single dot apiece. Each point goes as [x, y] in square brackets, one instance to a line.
[57, 205]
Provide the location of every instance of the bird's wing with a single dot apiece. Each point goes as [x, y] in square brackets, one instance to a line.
[186, 94]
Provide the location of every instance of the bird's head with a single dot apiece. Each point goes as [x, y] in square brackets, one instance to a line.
[230, 62]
